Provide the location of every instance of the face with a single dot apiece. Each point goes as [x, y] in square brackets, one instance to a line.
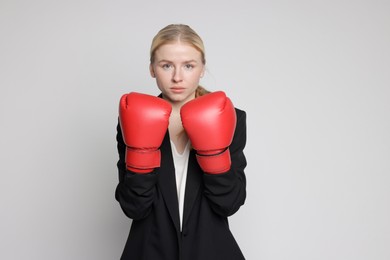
[177, 68]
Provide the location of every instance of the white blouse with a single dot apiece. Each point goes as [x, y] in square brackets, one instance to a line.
[181, 165]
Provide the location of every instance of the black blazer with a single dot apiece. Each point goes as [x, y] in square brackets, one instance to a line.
[151, 201]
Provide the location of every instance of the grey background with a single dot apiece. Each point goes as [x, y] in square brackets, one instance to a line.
[313, 77]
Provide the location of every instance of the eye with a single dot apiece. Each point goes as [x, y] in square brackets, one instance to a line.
[188, 66]
[166, 66]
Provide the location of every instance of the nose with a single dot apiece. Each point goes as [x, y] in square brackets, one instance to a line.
[177, 75]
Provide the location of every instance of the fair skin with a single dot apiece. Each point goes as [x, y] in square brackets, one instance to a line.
[177, 68]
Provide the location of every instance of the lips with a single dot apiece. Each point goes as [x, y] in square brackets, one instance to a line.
[177, 89]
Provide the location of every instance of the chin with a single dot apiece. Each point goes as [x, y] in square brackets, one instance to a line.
[176, 96]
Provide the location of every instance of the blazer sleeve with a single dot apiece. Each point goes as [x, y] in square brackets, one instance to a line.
[134, 192]
[226, 192]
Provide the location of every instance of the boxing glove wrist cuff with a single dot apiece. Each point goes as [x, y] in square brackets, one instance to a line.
[215, 164]
[142, 161]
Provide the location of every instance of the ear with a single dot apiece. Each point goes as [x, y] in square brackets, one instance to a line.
[151, 69]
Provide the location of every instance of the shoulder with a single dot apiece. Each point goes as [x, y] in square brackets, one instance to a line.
[241, 114]
[241, 121]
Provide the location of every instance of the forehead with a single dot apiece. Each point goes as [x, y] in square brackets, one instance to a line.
[177, 51]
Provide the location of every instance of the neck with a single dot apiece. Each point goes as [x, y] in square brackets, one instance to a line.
[176, 107]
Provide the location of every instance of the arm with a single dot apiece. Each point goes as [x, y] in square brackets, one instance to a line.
[143, 122]
[218, 134]
[134, 192]
[226, 192]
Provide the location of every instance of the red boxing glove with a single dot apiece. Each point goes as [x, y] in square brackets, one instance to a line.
[144, 121]
[210, 121]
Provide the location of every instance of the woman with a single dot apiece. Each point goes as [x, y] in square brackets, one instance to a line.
[181, 161]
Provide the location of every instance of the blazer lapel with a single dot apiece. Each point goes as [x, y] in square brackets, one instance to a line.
[194, 180]
[167, 181]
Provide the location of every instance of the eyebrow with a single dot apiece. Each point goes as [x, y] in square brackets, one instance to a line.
[168, 61]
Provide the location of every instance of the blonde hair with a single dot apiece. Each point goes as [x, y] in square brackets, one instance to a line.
[200, 91]
[185, 34]
[177, 32]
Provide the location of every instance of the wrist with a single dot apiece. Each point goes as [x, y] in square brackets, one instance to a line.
[142, 161]
[216, 163]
